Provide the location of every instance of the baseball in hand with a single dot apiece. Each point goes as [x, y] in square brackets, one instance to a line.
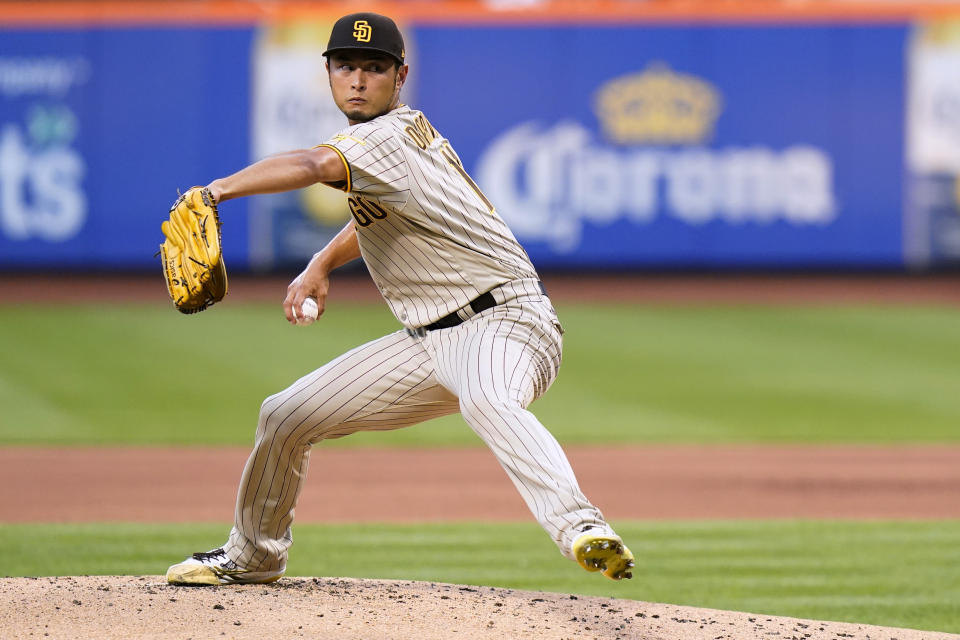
[309, 311]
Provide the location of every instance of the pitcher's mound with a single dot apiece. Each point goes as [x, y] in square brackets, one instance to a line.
[105, 607]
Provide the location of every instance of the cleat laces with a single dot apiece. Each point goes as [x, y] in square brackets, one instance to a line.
[210, 555]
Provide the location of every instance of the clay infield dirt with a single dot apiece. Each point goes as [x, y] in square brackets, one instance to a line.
[119, 608]
[647, 482]
[400, 485]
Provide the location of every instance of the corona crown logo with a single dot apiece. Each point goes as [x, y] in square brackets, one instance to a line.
[362, 31]
[658, 106]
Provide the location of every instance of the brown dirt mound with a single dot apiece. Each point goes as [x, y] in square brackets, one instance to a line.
[106, 607]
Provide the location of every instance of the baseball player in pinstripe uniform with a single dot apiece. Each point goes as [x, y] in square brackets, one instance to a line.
[479, 336]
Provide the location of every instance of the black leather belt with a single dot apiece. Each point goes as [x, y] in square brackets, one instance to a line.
[478, 304]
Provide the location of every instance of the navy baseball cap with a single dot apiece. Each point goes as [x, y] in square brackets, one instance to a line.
[366, 31]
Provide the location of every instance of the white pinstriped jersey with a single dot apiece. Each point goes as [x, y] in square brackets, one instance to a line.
[432, 243]
[430, 238]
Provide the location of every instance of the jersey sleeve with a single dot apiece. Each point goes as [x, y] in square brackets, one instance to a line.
[374, 161]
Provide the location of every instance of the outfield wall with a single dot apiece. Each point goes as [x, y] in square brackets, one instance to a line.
[632, 136]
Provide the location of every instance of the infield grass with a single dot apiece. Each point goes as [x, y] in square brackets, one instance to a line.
[888, 573]
[142, 374]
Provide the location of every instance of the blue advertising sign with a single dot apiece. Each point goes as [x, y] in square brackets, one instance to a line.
[616, 146]
[627, 146]
[98, 130]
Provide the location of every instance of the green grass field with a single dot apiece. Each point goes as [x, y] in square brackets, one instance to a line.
[888, 573]
[128, 374]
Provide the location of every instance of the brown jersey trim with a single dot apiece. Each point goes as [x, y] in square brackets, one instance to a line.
[346, 165]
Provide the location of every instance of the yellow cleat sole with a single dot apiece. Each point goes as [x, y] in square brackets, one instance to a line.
[192, 574]
[198, 574]
[605, 554]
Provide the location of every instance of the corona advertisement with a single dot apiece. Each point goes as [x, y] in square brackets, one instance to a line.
[614, 145]
[686, 146]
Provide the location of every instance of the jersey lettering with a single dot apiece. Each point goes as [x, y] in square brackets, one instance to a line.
[451, 156]
[365, 211]
[421, 131]
[423, 134]
[411, 196]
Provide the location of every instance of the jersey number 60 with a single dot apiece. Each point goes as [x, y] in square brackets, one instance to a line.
[365, 211]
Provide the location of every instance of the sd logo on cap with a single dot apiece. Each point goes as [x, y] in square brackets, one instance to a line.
[366, 31]
[362, 31]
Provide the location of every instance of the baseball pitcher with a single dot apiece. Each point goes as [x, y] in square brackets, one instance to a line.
[479, 336]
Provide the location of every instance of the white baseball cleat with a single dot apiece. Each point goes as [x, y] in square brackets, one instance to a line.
[214, 568]
[604, 552]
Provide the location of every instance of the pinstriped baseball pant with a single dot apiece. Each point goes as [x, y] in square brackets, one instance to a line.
[490, 368]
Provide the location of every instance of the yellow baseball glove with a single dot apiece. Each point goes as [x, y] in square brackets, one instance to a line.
[192, 261]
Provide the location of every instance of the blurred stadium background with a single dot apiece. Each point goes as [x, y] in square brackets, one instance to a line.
[688, 175]
[613, 134]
